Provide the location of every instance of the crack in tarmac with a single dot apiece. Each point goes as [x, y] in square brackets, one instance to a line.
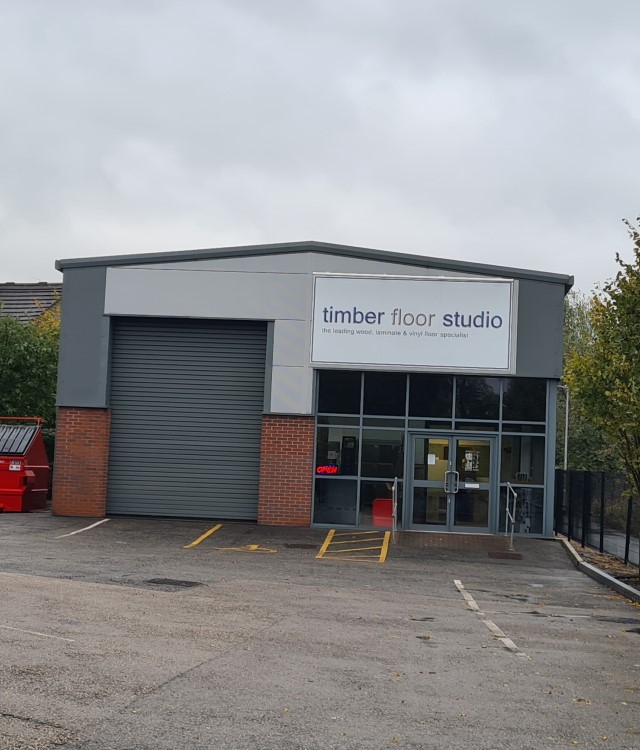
[37, 722]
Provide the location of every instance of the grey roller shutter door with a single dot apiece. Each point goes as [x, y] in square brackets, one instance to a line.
[186, 403]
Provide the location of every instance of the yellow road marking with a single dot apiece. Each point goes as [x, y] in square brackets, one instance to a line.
[385, 546]
[203, 537]
[350, 541]
[247, 548]
[328, 548]
[352, 549]
[326, 543]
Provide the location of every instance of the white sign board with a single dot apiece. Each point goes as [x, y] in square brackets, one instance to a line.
[413, 323]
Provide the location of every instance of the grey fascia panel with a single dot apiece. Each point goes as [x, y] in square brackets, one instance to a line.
[84, 340]
[387, 256]
[539, 330]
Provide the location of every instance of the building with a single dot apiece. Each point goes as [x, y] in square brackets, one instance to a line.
[294, 383]
[27, 302]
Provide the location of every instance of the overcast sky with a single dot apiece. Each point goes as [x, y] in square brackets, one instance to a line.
[502, 132]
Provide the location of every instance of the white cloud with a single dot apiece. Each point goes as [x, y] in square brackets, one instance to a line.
[504, 133]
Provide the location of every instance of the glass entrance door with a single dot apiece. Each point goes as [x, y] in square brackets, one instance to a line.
[452, 485]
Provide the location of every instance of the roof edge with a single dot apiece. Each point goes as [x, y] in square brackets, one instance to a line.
[281, 248]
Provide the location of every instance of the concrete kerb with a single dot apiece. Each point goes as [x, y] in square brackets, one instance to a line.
[599, 575]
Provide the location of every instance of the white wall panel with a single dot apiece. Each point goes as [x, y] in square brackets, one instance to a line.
[206, 294]
[291, 389]
[291, 343]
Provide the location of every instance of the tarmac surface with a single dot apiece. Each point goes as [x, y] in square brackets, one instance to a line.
[445, 645]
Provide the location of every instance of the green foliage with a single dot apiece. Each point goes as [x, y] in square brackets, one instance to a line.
[589, 448]
[28, 367]
[578, 332]
[605, 376]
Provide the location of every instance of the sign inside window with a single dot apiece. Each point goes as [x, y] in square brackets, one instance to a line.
[327, 470]
[471, 460]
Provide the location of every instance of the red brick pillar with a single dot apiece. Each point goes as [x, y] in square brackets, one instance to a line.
[80, 468]
[286, 471]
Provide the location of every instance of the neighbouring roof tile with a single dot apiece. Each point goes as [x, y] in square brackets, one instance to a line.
[28, 301]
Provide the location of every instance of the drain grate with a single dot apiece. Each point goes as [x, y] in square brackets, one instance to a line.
[300, 546]
[172, 582]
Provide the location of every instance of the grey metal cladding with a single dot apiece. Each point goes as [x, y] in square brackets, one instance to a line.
[187, 399]
[540, 329]
[257, 284]
[313, 246]
[84, 339]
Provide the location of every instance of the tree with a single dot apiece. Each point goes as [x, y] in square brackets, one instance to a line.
[589, 449]
[28, 366]
[605, 376]
[578, 332]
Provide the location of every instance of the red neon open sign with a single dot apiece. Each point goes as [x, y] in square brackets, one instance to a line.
[326, 469]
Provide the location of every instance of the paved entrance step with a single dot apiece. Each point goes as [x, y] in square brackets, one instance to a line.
[469, 542]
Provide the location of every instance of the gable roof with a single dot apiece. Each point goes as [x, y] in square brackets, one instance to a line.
[327, 248]
[26, 302]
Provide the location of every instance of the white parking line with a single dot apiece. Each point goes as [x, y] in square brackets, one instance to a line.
[497, 633]
[42, 635]
[86, 528]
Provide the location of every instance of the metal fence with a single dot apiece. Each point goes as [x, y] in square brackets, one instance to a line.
[598, 510]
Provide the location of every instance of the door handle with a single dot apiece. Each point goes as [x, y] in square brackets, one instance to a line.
[457, 482]
[451, 482]
[446, 482]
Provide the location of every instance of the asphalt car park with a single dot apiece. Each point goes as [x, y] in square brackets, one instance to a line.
[127, 635]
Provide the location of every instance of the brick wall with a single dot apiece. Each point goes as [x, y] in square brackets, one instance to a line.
[286, 471]
[80, 469]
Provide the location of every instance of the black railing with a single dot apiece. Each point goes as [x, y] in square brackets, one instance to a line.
[598, 510]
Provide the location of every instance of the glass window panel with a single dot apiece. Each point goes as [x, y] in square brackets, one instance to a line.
[339, 420]
[430, 395]
[477, 426]
[337, 451]
[429, 424]
[382, 422]
[339, 392]
[523, 427]
[335, 501]
[376, 504]
[382, 453]
[431, 459]
[522, 459]
[471, 508]
[529, 510]
[385, 393]
[477, 397]
[429, 506]
[525, 400]
[473, 460]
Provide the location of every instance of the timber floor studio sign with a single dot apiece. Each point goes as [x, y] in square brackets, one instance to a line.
[414, 322]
